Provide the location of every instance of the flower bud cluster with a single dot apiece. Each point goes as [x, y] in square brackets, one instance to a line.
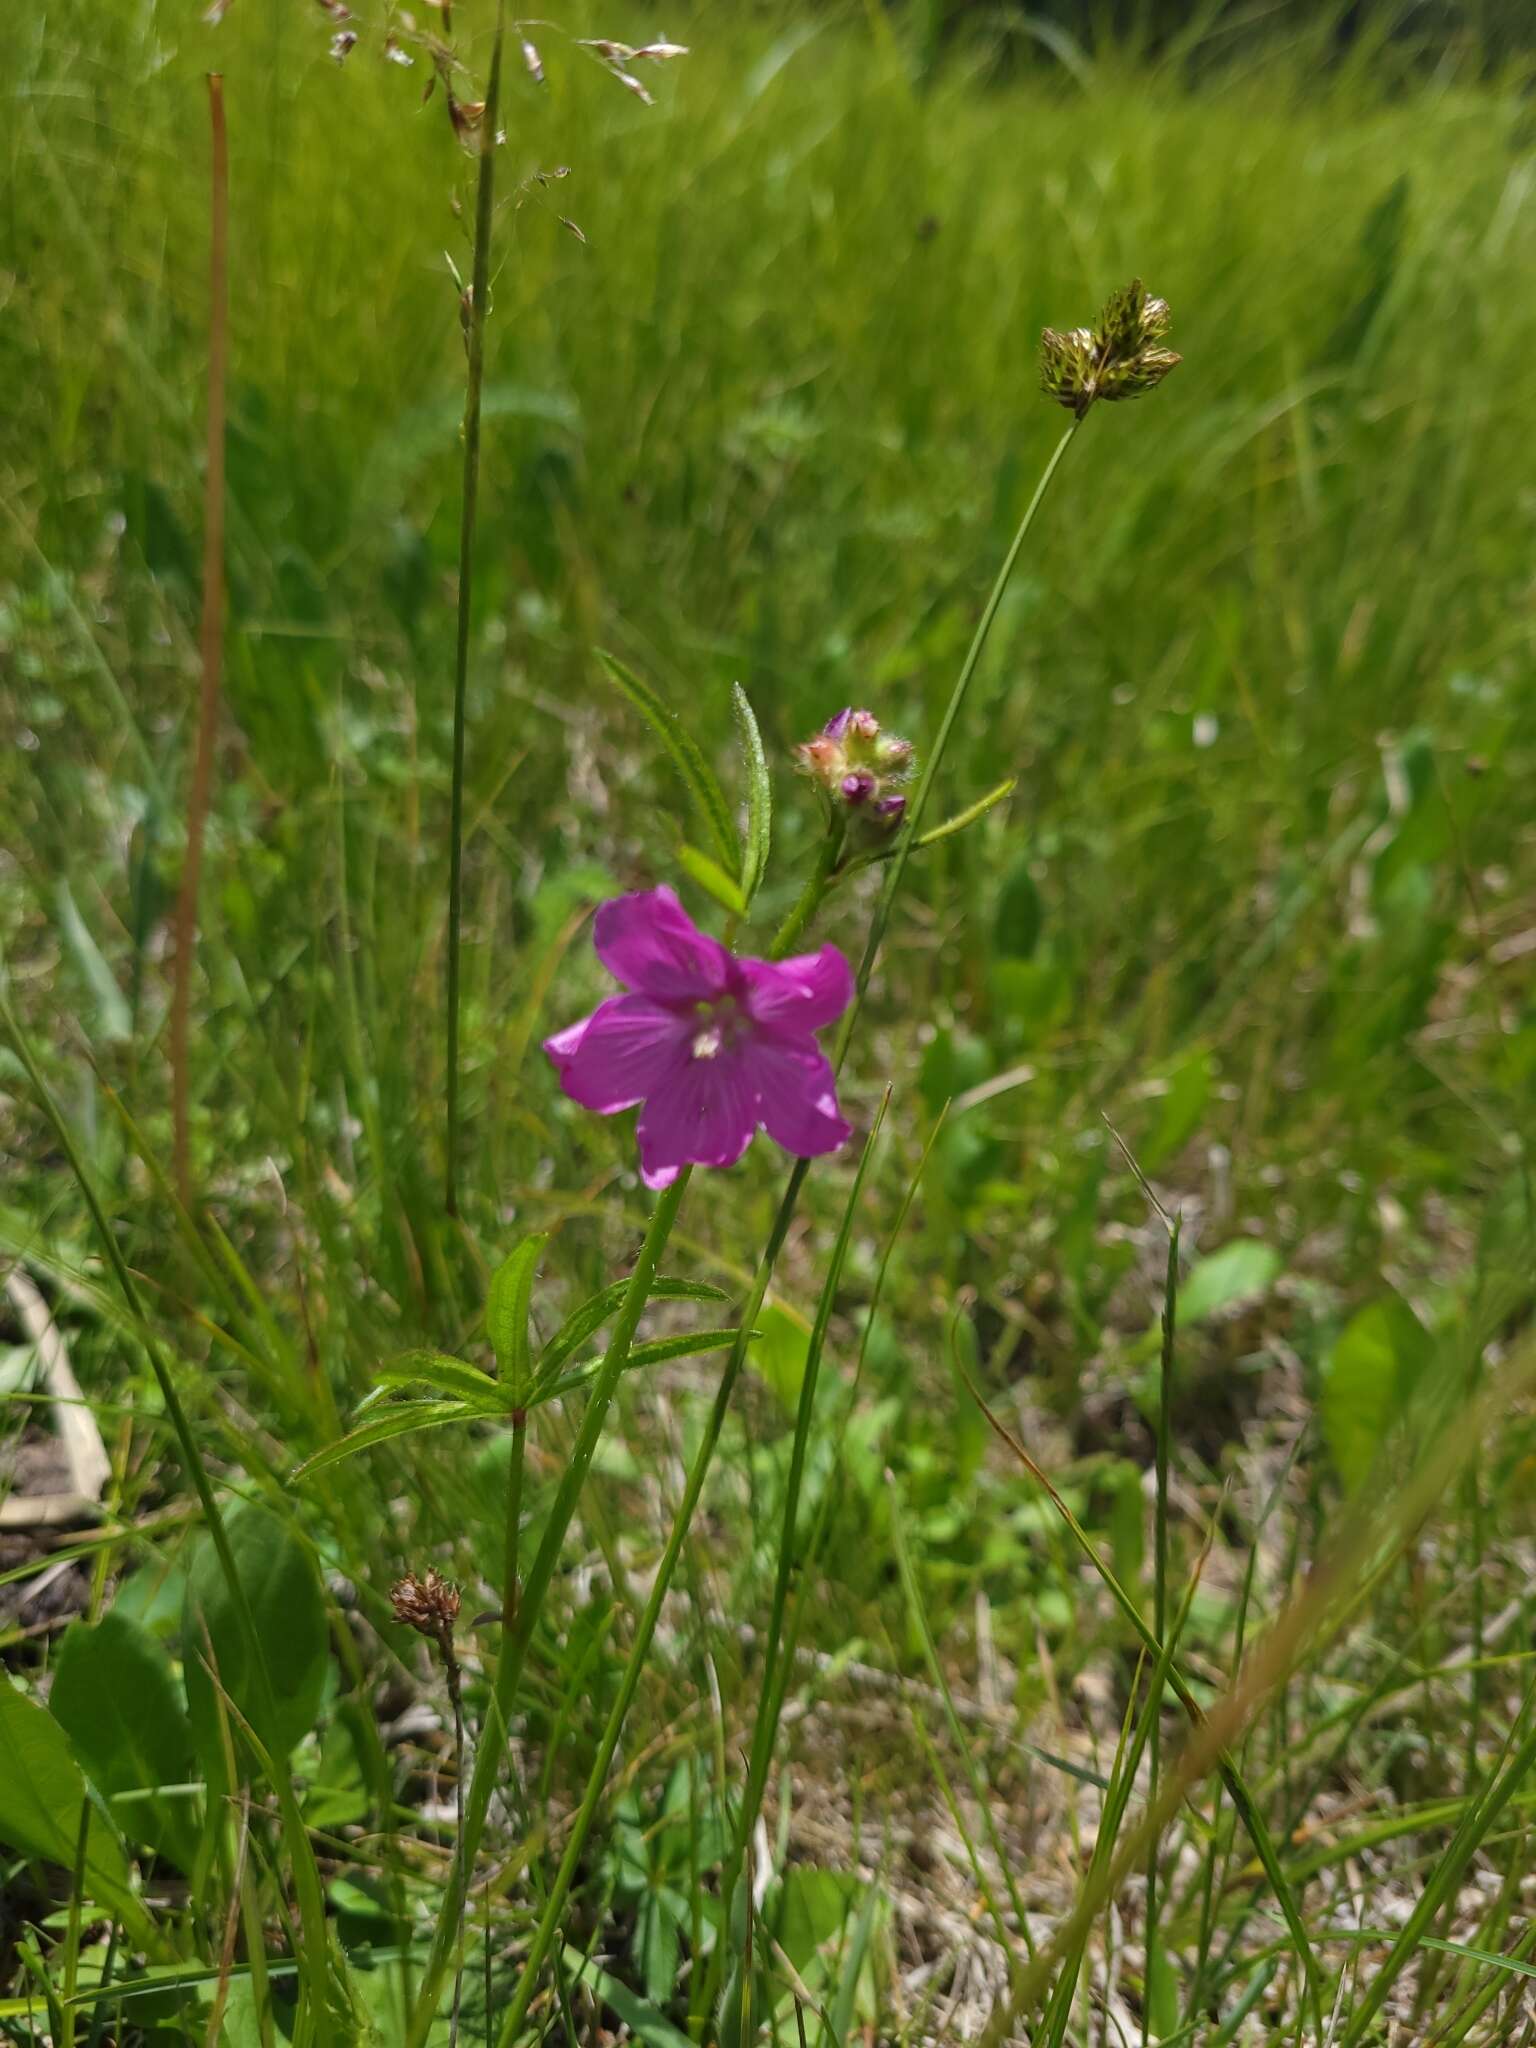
[860, 769]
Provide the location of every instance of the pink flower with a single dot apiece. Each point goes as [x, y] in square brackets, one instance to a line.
[713, 1046]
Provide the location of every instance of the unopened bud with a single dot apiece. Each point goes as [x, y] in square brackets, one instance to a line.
[857, 767]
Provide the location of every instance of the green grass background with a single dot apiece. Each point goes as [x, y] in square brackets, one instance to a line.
[1263, 894]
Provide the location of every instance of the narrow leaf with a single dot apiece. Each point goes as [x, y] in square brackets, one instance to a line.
[657, 1352]
[585, 1321]
[450, 1376]
[970, 814]
[506, 1314]
[754, 860]
[399, 1420]
[712, 877]
[695, 773]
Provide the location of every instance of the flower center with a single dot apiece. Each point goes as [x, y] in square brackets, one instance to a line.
[718, 1025]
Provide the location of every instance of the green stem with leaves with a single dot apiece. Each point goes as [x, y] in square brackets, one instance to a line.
[794, 925]
[485, 194]
[529, 1604]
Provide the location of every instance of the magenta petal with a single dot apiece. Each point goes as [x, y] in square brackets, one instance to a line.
[650, 943]
[561, 1045]
[705, 1112]
[797, 1097]
[628, 1046]
[799, 995]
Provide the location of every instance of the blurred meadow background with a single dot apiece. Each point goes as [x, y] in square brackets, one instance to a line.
[761, 405]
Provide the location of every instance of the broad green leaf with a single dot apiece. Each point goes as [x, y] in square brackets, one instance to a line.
[451, 1376]
[399, 1419]
[712, 878]
[694, 772]
[282, 1588]
[42, 1791]
[116, 1698]
[506, 1315]
[1365, 1376]
[1237, 1272]
[754, 861]
[970, 814]
[587, 1320]
[656, 1352]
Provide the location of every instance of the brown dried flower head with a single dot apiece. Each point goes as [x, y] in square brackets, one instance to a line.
[1121, 358]
[429, 1604]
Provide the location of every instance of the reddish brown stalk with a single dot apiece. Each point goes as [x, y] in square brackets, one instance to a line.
[211, 636]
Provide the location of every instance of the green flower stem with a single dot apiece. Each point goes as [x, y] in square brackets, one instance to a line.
[773, 1685]
[798, 919]
[514, 1641]
[818, 882]
[936, 753]
[485, 193]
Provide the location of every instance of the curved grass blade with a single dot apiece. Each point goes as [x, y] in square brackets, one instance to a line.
[686, 756]
[754, 863]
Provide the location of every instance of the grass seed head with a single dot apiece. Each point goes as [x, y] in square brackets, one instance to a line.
[1121, 358]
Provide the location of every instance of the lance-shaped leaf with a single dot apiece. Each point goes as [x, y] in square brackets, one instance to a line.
[587, 1320]
[754, 860]
[453, 1377]
[657, 1352]
[713, 878]
[506, 1315]
[399, 1419]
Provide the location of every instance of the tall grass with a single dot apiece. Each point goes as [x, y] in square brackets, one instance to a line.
[764, 1732]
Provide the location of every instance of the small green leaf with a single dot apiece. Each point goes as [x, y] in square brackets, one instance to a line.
[116, 1698]
[400, 1419]
[450, 1376]
[695, 773]
[1237, 1272]
[754, 861]
[282, 1588]
[506, 1315]
[41, 1795]
[587, 1320]
[657, 1352]
[712, 877]
[970, 814]
[1366, 1376]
